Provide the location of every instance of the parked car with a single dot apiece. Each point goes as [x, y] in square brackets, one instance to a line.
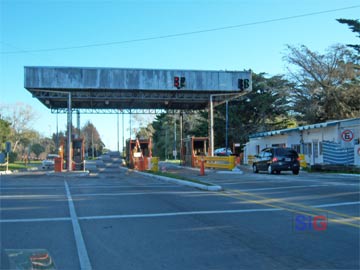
[49, 162]
[222, 152]
[277, 159]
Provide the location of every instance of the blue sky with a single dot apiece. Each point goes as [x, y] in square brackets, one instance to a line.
[30, 27]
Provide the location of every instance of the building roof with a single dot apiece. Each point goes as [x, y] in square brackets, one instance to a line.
[301, 128]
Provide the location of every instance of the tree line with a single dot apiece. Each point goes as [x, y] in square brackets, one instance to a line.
[16, 127]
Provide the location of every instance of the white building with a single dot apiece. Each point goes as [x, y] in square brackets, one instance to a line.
[333, 142]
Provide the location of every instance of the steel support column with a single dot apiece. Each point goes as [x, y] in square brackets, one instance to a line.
[69, 126]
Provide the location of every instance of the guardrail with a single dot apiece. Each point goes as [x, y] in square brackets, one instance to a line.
[216, 162]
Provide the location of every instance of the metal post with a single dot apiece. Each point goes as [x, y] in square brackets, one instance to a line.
[78, 124]
[226, 126]
[57, 131]
[181, 137]
[130, 125]
[117, 118]
[175, 152]
[211, 126]
[69, 126]
[123, 136]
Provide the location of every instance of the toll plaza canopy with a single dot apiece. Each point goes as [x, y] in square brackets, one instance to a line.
[126, 89]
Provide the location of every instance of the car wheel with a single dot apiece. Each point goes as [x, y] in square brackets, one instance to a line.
[270, 169]
[278, 172]
[296, 172]
[255, 169]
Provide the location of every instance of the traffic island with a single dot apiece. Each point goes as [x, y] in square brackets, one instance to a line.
[176, 179]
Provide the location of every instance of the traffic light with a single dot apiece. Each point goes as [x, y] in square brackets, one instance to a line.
[182, 82]
[177, 82]
[241, 84]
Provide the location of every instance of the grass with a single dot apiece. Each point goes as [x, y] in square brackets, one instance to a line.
[19, 165]
[176, 176]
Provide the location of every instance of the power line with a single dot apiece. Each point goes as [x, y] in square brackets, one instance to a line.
[177, 34]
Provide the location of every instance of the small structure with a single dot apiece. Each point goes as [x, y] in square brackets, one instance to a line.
[191, 148]
[333, 142]
[139, 154]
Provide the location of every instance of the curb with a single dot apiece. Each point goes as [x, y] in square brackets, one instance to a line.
[71, 174]
[182, 182]
[5, 172]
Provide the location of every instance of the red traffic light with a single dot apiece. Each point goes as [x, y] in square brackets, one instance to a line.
[177, 82]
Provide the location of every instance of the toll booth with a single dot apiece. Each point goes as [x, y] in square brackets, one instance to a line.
[138, 153]
[193, 147]
[78, 152]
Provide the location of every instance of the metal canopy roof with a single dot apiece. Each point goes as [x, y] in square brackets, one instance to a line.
[113, 89]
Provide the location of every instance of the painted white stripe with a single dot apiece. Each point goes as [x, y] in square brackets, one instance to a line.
[141, 193]
[276, 188]
[36, 188]
[168, 214]
[30, 196]
[34, 220]
[80, 244]
[180, 214]
[336, 204]
[15, 196]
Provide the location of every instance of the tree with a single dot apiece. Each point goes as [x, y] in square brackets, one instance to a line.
[93, 143]
[354, 25]
[326, 85]
[21, 117]
[5, 131]
[37, 149]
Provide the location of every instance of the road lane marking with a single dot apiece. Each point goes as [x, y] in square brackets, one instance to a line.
[168, 214]
[171, 214]
[336, 204]
[80, 244]
[276, 188]
[142, 193]
[287, 204]
[280, 200]
[34, 220]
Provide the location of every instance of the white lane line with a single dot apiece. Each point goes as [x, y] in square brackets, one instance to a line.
[142, 193]
[16, 196]
[169, 214]
[276, 188]
[30, 188]
[34, 220]
[80, 244]
[180, 214]
[336, 204]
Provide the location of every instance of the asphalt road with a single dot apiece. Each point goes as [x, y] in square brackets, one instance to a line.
[117, 219]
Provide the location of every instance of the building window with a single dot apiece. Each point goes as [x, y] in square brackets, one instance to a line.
[316, 149]
[307, 149]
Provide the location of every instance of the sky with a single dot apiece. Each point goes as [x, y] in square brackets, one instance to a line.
[162, 34]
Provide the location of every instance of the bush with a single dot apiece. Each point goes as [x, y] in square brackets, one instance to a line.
[12, 157]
